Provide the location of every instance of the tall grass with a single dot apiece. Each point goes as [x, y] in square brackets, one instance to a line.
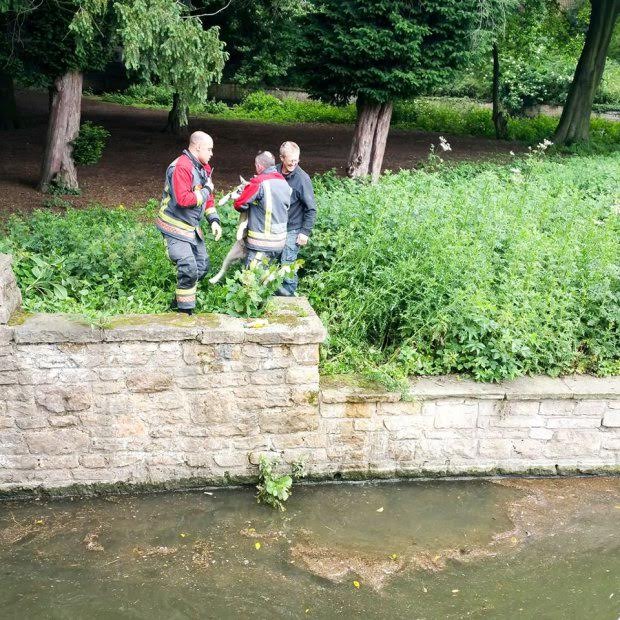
[491, 271]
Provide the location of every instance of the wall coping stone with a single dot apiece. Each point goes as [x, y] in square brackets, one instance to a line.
[290, 321]
[523, 388]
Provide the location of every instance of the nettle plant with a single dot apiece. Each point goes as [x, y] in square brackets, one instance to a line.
[249, 290]
[274, 489]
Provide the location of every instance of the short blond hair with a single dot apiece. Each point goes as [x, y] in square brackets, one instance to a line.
[289, 147]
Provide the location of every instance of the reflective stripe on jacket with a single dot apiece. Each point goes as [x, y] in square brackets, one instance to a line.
[185, 198]
[268, 197]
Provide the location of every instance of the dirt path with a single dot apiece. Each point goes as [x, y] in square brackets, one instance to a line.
[134, 162]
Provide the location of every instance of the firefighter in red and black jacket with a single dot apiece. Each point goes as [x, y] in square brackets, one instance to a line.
[267, 198]
[187, 197]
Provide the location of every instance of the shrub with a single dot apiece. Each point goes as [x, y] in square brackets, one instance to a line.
[142, 94]
[490, 271]
[89, 144]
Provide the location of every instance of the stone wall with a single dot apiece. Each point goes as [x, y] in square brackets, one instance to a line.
[10, 295]
[181, 401]
[153, 398]
[447, 426]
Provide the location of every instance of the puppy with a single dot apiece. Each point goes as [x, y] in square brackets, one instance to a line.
[238, 251]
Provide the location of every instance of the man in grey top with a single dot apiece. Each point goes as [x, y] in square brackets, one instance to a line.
[302, 212]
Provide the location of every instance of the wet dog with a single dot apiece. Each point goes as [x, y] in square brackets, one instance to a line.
[238, 251]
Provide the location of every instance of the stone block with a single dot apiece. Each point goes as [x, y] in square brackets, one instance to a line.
[227, 330]
[455, 419]
[10, 295]
[306, 354]
[231, 459]
[303, 374]
[153, 328]
[570, 443]
[521, 408]
[496, 449]
[6, 337]
[93, 461]
[573, 422]
[289, 420]
[57, 441]
[268, 377]
[557, 407]
[403, 422]
[59, 399]
[594, 408]
[53, 328]
[611, 419]
[63, 421]
[214, 407]
[518, 421]
[147, 382]
[439, 450]
[408, 408]
[541, 433]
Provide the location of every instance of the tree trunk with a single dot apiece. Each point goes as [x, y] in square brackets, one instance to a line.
[177, 117]
[574, 125]
[9, 118]
[63, 127]
[499, 118]
[363, 137]
[380, 140]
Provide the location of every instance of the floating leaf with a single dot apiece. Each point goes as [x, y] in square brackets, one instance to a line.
[393, 556]
[257, 545]
[356, 584]
[454, 591]
[380, 509]
[182, 534]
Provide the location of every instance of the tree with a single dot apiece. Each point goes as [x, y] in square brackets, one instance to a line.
[62, 38]
[262, 37]
[574, 125]
[377, 51]
[490, 30]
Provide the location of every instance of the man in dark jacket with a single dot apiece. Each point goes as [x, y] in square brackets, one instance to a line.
[301, 215]
[187, 197]
[266, 198]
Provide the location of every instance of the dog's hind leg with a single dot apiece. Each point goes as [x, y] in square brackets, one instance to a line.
[237, 252]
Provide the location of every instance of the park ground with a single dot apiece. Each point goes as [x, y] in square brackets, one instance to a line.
[133, 164]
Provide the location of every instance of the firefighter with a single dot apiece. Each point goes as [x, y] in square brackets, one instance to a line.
[187, 197]
[267, 199]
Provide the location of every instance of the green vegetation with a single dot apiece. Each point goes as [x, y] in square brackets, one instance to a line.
[449, 115]
[486, 270]
[249, 290]
[273, 490]
[89, 144]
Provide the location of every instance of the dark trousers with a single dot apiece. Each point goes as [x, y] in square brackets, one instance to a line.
[192, 263]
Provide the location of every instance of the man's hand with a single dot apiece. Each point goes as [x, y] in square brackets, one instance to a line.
[210, 185]
[216, 229]
[301, 239]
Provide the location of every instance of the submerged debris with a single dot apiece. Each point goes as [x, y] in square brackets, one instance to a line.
[201, 556]
[92, 543]
[148, 551]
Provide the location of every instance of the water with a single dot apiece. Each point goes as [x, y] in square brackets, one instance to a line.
[470, 549]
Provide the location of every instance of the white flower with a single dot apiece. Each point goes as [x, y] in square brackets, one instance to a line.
[512, 153]
[444, 144]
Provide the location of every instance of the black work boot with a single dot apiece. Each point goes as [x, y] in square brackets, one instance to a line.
[188, 311]
[173, 304]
